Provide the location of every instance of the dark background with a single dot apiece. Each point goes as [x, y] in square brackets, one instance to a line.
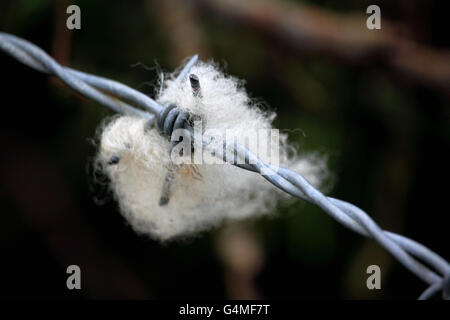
[376, 102]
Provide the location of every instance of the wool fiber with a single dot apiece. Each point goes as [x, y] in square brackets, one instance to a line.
[204, 195]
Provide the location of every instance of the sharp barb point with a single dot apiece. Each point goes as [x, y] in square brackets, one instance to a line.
[195, 85]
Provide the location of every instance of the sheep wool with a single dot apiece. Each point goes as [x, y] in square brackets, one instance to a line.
[137, 160]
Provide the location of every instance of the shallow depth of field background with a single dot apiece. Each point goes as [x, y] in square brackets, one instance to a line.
[384, 128]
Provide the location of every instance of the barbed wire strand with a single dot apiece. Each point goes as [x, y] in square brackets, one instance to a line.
[107, 92]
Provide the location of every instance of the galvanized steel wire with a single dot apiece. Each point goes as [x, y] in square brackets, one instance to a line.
[420, 260]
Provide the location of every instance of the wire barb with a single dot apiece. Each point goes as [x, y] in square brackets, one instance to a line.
[167, 186]
[405, 250]
[195, 85]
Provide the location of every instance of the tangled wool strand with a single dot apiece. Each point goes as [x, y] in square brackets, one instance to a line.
[200, 196]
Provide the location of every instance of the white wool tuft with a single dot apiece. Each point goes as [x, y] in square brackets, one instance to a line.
[222, 192]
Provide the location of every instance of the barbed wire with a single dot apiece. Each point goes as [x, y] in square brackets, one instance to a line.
[169, 117]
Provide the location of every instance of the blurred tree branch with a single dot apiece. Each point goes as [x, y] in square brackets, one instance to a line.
[307, 29]
[62, 37]
[243, 258]
[181, 28]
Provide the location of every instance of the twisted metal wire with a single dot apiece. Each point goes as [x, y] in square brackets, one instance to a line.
[107, 92]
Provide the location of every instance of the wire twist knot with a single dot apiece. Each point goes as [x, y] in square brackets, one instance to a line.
[171, 118]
